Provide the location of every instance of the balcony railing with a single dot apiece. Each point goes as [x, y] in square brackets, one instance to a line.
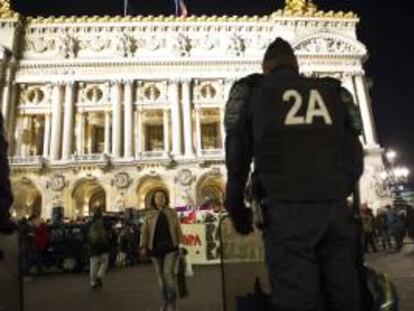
[27, 161]
[212, 153]
[149, 155]
[101, 157]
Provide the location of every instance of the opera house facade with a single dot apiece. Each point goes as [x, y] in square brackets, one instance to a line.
[100, 111]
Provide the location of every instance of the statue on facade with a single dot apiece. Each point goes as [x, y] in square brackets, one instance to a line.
[5, 9]
[300, 6]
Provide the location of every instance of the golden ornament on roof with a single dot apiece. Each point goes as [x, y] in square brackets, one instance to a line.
[5, 9]
[300, 6]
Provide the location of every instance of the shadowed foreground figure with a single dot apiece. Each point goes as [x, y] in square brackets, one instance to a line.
[302, 136]
[6, 201]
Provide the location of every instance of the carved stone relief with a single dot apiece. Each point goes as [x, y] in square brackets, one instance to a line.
[121, 180]
[57, 183]
[185, 177]
[326, 45]
[67, 46]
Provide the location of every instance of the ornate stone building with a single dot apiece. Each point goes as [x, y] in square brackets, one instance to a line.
[100, 111]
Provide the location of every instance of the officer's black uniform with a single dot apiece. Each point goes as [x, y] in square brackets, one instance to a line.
[302, 135]
[6, 196]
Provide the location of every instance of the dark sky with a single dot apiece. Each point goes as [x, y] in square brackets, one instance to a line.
[386, 28]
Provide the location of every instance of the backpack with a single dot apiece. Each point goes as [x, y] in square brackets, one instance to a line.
[97, 233]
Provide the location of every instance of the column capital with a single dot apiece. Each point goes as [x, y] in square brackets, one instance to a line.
[128, 82]
[186, 80]
[59, 83]
[116, 82]
[69, 83]
[353, 73]
[231, 79]
[174, 81]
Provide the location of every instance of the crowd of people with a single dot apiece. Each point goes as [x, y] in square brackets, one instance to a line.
[50, 247]
[102, 242]
[388, 228]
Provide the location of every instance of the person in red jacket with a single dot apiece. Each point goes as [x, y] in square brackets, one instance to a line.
[41, 240]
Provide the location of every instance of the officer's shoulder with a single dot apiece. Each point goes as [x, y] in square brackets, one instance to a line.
[330, 80]
[248, 81]
[346, 96]
[243, 86]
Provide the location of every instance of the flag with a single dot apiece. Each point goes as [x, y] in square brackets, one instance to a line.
[180, 8]
[126, 7]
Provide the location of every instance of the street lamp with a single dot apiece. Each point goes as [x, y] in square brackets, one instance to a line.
[391, 155]
[394, 177]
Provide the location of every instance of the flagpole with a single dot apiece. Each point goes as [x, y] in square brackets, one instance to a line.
[125, 7]
[176, 7]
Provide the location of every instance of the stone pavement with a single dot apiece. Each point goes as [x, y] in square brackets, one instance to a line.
[136, 288]
[401, 268]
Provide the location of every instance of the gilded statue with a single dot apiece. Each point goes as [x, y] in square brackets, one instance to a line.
[300, 6]
[5, 9]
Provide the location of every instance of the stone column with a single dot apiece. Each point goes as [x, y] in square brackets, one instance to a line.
[187, 122]
[228, 85]
[26, 140]
[107, 133]
[18, 136]
[3, 65]
[366, 112]
[198, 129]
[166, 131]
[5, 84]
[46, 141]
[68, 120]
[128, 119]
[139, 147]
[56, 122]
[175, 117]
[116, 119]
[5, 101]
[11, 126]
[348, 83]
[80, 138]
[89, 134]
[222, 129]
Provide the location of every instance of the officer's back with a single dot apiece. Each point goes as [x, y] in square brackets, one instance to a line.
[298, 136]
[302, 134]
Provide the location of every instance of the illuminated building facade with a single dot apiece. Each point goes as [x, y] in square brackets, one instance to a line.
[100, 111]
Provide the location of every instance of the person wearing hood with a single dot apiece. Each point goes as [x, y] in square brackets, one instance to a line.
[302, 135]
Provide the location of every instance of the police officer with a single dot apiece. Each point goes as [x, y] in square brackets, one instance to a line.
[6, 196]
[302, 136]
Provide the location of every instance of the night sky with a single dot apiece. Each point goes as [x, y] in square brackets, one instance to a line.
[386, 28]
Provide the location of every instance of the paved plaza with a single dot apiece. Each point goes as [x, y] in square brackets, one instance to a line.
[136, 288]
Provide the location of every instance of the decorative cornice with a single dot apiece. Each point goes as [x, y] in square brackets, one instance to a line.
[278, 15]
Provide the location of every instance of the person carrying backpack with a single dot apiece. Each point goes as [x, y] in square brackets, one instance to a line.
[98, 239]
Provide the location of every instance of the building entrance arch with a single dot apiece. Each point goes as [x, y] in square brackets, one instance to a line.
[146, 190]
[210, 192]
[27, 199]
[87, 197]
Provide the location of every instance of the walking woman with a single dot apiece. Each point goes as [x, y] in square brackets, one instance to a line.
[160, 237]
